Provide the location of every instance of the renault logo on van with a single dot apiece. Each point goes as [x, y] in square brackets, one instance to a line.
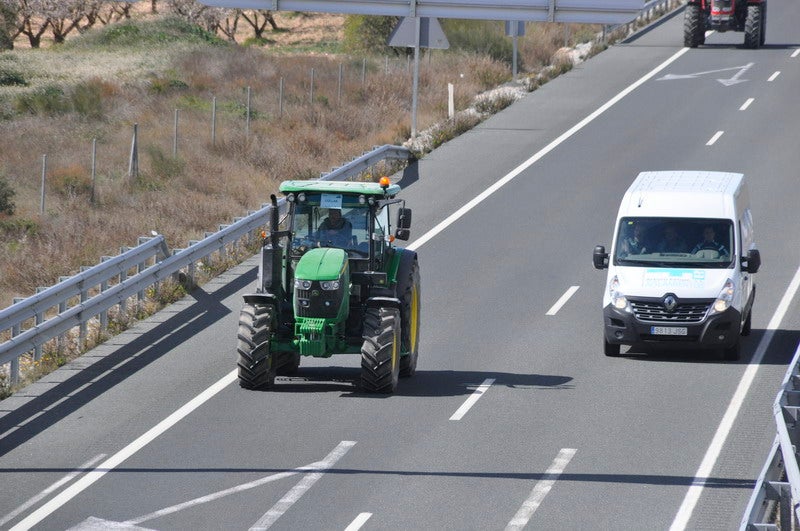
[670, 303]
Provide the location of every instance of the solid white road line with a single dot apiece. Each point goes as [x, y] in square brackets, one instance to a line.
[455, 216]
[283, 505]
[115, 460]
[49, 490]
[563, 300]
[541, 489]
[773, 76]
[710, 459]
[714, 138]
[487, 383]
[360, 520]
[747, 104]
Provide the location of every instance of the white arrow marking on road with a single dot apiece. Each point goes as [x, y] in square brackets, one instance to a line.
[727, 82]
[541, 490]
[318, 467]
[302, 487]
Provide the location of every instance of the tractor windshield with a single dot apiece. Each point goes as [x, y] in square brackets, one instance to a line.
[342, 223]
[675, 242]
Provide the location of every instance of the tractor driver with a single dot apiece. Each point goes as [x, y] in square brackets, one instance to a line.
[335, 230]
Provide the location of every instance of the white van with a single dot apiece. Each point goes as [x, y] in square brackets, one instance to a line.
[681, 265]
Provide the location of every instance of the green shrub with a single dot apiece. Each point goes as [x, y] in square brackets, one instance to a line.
[11, 78]
[163, 85]
[87, 99]
[164, 167]
[48, 100]
[6, 194]
[137, 34]
[479, 37]
[365, 34]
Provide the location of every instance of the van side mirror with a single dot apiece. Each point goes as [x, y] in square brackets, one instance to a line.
[752, 263]
[403, 231]
[600, 257]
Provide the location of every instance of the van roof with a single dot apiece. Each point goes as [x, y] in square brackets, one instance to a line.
[682, 193]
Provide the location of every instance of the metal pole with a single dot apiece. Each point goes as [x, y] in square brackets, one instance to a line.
[175, 136]
[44, 173]
[415, 89]
[515, 42]
[363, 70]
[94, 169]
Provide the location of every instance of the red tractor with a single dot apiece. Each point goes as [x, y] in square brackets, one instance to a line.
[749, 16]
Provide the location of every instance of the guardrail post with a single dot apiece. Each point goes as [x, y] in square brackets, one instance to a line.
[61, 342]
[104, 313]
[785, 507]
[123, 276]
[83, 328]
[37, 351]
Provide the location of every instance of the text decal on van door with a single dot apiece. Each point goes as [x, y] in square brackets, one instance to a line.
[674, 278]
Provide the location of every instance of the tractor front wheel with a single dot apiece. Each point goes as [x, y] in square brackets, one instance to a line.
[380, 353]
[256, 369]
[694, 31]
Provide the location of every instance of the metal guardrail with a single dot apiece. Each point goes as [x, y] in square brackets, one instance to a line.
[776, 496]
[74, 301]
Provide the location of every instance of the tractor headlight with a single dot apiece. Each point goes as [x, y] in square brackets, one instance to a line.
[725, 297]
[329, 285]
[618, 299]
[302, 284]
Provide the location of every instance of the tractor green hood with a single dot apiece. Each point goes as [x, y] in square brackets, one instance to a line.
[322, 264]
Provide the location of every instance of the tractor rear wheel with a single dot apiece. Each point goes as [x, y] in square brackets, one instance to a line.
[380, 353]
[255, 363]
[693, 28]
[753, 26]
[288, 363]
[410, 322]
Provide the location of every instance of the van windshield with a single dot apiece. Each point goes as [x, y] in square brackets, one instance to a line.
[675, 242]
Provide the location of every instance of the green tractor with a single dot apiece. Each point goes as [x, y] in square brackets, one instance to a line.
[332, 282]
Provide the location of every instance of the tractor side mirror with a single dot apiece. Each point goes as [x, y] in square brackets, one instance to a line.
[403, 231]
[600, 257]
[753, 261]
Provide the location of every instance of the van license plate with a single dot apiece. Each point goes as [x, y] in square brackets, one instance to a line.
[669, 330]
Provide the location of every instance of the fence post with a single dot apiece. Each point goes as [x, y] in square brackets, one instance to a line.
[133, 164]
[214, 121]
[363, 70]
[280, 99]
[312, 86]
[339, 92]
[175, 136]
[44, 174]
[94, 169]
[247, 121]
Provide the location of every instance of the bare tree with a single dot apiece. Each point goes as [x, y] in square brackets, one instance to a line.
[64, 16]
[9, 29]
[190, 10]
[258, 20]
[30, 20]
[229, 25]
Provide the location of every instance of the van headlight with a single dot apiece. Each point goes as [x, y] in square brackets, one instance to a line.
[725, 297]
[618, 299]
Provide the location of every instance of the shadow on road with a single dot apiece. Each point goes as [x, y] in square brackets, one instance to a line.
[88, 383]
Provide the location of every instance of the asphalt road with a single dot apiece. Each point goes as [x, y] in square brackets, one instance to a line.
[515, 416]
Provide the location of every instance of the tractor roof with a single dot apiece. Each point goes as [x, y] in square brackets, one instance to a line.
[339, 187]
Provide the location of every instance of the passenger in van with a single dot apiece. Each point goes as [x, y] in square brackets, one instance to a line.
[671, 242]
[633, 242]
[710, 242]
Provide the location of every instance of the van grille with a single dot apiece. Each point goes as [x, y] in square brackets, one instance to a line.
[685, 312]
